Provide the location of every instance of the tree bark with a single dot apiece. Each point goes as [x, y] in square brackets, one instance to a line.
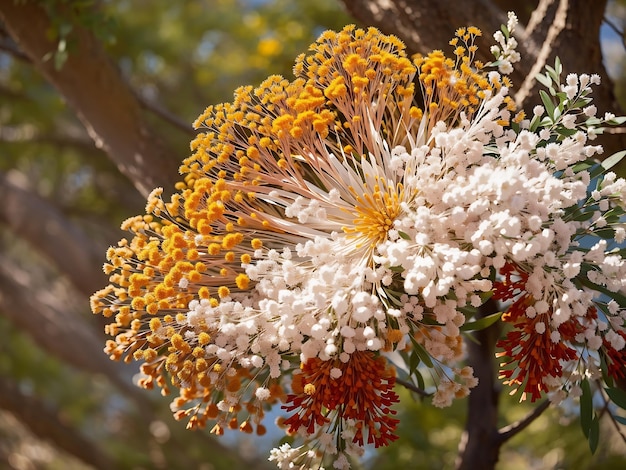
[569, 29]
[56, 328]
[480, 444]
[93, 86]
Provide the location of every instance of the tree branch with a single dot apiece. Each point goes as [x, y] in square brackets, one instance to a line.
[166, 115]
[42, 225]
[413, 388]
[54, 324]
[512, 429]
[95, 89]
[44, 422]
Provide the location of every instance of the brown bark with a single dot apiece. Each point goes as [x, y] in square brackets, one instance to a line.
[93, 86]
[480, 444]
[569, 29]
[45, 422]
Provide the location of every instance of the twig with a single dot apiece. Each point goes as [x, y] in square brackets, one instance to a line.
[507, 432]
[606, 408]
[165, 115]
[413, 388]
[12, 50]
[615, 29]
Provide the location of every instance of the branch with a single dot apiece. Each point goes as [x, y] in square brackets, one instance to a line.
[606, 408]
[44, 422]
[41, 224]
[507, 432]
[55, 324]
[166, 115]
[615, 29]
[479, 446]
[413, 388]
[93, 86]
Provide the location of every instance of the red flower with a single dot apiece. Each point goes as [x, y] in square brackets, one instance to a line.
[363, 392]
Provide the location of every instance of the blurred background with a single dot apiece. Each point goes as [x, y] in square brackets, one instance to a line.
[64, 193]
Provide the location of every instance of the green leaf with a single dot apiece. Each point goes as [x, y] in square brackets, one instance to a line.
[547, 103]
[586, 407]
[619, 298]
[404, 236]
[606, 233]
[545, 80]
[594, 434]
[421, 352]
[617, 396]
[617, 120]
[482, 323]
[420, 380]
[414, 362]
[613, 160]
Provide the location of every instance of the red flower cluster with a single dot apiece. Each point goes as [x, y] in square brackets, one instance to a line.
[363, 393]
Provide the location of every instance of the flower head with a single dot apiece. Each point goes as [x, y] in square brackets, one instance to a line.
[368, 206]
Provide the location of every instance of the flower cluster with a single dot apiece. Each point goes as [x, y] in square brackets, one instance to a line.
[367, 207]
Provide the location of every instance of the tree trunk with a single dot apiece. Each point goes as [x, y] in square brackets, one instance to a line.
[569, 29]
[480, 444]
[93, 86]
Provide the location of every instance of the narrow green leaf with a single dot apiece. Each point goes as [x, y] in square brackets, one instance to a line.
[619, 298]
[404, 236]
[586, 407]
[617, 396]
[414, 361]
[594, 434]
[421, 352]
[420, 380]
[547, 103]
[617, 120]
[544, 80]
[613, 160]
[558, 68]
[482, 323]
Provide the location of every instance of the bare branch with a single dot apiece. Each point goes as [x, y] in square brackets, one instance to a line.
[479, 446]
[615, 29]
[166, 115]
[605, 408]
[507, 432]
[55, 325]
[413, 388]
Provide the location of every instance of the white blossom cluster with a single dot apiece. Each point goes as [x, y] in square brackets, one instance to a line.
[307, 249]
[505, 50]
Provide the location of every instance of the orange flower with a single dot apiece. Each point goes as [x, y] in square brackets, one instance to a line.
[532, 354]
[615, 360]
[363, 393]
